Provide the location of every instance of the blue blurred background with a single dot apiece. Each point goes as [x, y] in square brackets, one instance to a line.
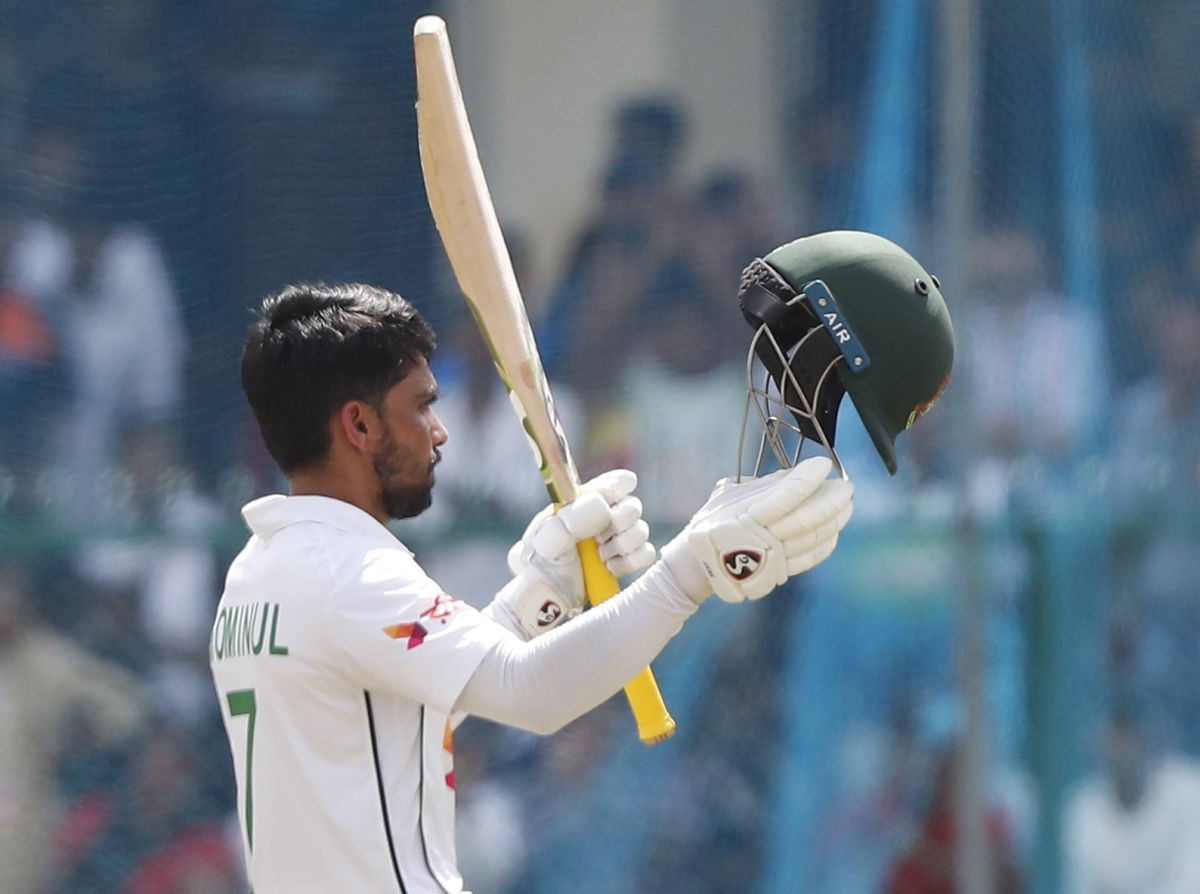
[990, 688]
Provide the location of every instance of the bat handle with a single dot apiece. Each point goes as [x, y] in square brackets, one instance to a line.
[654, 721]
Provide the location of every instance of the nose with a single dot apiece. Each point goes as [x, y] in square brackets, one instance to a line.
[440, 435]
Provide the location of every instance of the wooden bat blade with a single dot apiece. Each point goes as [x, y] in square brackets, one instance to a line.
[466, 220]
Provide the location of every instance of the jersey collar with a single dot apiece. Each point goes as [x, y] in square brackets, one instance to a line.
[269, 515]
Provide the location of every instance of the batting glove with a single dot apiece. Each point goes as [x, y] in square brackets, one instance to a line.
[547, 587]
[752, 536]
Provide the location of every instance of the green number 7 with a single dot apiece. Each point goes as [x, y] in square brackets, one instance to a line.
[241, 702]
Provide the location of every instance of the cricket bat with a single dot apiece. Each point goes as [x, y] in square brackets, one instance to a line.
[466, 219]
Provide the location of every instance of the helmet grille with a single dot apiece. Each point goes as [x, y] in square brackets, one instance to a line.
[797, 357]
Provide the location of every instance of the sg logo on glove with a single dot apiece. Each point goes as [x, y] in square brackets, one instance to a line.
[742, 563]
[549, 613]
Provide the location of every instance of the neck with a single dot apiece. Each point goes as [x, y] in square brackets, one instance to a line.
[322, 482]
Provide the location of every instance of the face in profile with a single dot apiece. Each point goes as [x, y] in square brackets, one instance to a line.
[408, 450]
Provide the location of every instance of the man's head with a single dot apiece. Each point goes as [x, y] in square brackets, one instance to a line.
[648, 140]
[339, 382]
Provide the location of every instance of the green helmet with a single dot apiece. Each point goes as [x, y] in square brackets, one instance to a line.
[845, 312]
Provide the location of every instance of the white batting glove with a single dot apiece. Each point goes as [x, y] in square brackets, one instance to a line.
[752, 536]
[547, 587]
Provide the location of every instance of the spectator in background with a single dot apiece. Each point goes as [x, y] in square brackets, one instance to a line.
[1156, 491]
[49, 179]
[560, 792]
[1143, 204]
[490, 828]
[148, 127]
[1032, 364]
[1133, 828]
[820, 151]
[878, 774]
[123, 342]
[28, 354]
[167, 839]
[679, 408]
[48, 686]
[928, 864]
[676, 415]
[492, 475]
[35, 252]
[167, 587]
[711, 818]
[622, 248]
[730, 224]
[1156, 436]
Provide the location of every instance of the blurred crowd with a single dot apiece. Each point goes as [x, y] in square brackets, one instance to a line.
[148, 201]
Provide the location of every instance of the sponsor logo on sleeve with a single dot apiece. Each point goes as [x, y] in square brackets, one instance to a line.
[441, 610]
[415, 633]
[443, 607]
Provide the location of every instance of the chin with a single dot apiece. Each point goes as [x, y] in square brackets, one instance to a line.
[408, 502]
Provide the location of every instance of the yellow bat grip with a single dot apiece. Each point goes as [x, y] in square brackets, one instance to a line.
[654, 721]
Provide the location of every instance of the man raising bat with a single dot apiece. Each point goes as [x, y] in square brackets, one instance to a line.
[339, 664]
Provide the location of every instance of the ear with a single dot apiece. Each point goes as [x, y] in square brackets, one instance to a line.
[357, 424]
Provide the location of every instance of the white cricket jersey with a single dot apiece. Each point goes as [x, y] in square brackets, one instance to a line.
[337, 662]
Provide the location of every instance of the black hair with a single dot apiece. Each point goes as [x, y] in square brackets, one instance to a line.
[313, 348]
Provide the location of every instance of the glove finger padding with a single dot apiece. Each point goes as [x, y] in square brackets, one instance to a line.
[624, 544]
[627, 541]
[811, 548]
[548, 586]
[805, 561]
[588, 515]
[810, 540]
[630, 551]
[812, 529]
[614, 485]
[593, 513]
[633, 562]
[824, 506]
[750, 537]
[626, 513]
[791, 491]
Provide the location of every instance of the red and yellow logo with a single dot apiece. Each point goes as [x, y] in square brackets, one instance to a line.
[443, 607]
[415, 633]
[922, 408]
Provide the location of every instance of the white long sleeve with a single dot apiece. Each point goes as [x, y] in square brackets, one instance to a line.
[545, 683]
